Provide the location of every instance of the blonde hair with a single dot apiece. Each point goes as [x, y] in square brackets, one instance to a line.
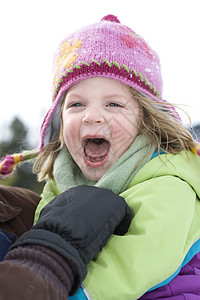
[156, 120]
[166, 132]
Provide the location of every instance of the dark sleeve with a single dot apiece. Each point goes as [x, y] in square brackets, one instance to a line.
[17, 208]
[19, 282]
[6, 240]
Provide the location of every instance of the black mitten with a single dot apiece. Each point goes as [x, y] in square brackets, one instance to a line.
[77, 224]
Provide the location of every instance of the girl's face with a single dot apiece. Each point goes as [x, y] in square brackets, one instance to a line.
[100, 122]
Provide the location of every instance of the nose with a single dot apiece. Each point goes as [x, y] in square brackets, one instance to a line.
[93, 116]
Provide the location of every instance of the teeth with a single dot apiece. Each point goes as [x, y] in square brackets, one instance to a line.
[97, 140]
[96, 159]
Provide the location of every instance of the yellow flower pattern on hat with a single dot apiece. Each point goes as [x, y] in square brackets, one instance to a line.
[66, 56]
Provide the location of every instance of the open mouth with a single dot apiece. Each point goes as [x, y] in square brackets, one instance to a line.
[96, 149]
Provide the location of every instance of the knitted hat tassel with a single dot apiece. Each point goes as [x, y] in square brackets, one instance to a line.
[9, 162]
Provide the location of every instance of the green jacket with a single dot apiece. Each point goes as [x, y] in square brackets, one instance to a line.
[163, 236]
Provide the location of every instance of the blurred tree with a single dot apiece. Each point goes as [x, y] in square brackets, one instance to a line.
[16, 142]
[197, 130]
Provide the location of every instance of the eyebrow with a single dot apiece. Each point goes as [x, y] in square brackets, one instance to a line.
[73, 95]
[110, 96]
[115, 96]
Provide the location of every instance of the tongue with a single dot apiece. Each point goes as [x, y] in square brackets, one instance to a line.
[96, 149]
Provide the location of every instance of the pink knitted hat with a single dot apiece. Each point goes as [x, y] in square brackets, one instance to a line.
[104, 49]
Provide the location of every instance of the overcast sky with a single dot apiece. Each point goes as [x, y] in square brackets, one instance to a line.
[32, 30]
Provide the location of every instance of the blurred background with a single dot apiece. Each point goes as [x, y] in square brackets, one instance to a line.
[31, 32]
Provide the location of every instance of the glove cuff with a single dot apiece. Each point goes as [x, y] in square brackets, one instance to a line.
[58, 244]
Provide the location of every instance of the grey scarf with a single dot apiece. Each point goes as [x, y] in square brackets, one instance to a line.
[67, 174]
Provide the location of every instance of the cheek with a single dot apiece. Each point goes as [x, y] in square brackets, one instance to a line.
[124, 130]
[132, 122]
[120, 139]
[70, 131]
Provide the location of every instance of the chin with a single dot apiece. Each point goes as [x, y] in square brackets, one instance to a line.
[94, 176]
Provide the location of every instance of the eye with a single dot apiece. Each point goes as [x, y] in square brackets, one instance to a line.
[76, 104]
[114, 104]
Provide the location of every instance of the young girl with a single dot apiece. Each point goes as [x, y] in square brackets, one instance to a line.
[109, 127]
